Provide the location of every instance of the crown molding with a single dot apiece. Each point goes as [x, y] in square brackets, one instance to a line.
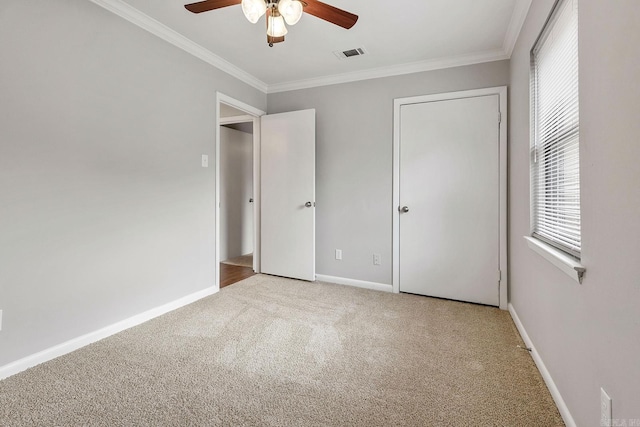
[156, 28]
[520, 11]
[136, 17]
[394, 70]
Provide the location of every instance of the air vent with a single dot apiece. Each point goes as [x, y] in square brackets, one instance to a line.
[350, 53]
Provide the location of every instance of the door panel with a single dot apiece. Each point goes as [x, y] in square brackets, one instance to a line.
[287, 184]
[449, 181]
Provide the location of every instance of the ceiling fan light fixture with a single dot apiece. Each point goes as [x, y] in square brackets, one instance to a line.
[253, 9]
[276, 26]
[291, 10]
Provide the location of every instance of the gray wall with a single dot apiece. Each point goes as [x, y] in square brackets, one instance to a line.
[354, 160]
[236, 188]
[588, 335]
[105, 211]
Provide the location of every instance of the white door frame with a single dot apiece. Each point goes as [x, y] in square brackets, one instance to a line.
[252, 115]
[501, 91]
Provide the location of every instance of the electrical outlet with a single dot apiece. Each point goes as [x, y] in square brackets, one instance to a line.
[339, 254]
[377, 259]
[605, 409]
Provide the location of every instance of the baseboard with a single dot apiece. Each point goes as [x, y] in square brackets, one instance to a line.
[555, 393]
[357, 283]
[81, 341]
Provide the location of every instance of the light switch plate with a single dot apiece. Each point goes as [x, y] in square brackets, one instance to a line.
[205, 161]
[605, 409]
[338, 254]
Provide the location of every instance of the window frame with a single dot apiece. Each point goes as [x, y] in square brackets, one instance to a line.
[553, 185]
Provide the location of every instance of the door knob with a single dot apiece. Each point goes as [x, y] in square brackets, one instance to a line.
[308, 204]
[403, 209]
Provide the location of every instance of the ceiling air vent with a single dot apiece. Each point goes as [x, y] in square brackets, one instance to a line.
[343, 54]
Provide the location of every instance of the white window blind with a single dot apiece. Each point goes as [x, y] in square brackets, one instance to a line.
[555, 173]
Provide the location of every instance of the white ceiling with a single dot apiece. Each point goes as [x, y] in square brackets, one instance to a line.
[400, 36]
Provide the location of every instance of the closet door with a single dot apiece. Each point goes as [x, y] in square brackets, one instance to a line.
[449, 243]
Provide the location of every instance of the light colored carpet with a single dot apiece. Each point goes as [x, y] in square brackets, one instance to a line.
[241, 261]
[275, 352]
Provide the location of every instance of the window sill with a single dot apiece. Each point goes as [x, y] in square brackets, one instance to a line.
[568, 265]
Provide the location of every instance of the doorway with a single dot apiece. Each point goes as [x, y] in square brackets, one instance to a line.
[283, 189]
[237, 254]
[450, 196]
[236, 202]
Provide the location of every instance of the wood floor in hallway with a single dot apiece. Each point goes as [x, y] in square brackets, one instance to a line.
[230, 274]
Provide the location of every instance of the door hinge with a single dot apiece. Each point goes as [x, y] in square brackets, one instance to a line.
[499, 276]
[499, 117]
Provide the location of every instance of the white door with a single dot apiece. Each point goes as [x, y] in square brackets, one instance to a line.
[450, 199]
[288, 165]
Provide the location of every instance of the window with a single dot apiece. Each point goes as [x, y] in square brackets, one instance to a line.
[555, 169]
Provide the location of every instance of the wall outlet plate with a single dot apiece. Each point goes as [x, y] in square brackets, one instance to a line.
[377, 259]
[338, 254]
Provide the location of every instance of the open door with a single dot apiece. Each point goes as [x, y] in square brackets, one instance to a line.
[288, 162]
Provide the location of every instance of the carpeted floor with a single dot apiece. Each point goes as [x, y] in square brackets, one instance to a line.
[275, 352]
[241, 261]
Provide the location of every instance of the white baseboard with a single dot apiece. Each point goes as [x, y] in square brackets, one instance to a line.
[555, 393]
[357, 283]
[81, 341]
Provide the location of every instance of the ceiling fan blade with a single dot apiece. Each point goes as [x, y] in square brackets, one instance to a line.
[207, 5]
[330, 13]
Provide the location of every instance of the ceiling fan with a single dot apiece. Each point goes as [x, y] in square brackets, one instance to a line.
[280, 11]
